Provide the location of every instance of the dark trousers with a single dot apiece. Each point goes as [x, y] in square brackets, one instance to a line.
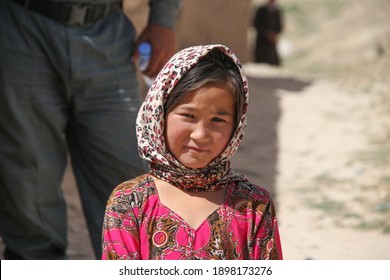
[62, 90]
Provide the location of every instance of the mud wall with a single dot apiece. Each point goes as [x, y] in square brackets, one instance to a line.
[205, 22]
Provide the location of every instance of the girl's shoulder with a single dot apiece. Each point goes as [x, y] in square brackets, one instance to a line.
[132, 193]
[246, 196]
[250, 191]
[141, 184]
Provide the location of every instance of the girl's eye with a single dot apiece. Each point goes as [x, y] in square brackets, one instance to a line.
[218, 120]
[188, 116]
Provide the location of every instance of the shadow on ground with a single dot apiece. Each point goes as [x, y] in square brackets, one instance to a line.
[257, 156]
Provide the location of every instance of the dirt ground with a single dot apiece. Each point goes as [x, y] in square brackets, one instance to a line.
[320, 145]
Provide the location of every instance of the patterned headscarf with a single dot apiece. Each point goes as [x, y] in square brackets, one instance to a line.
[150, 128]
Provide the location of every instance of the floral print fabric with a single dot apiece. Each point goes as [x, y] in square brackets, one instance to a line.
[138, 226]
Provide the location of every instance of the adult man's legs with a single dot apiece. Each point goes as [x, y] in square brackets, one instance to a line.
[105, 98]
[32, 151]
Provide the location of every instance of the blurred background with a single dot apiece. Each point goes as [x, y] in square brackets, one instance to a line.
[319, 124]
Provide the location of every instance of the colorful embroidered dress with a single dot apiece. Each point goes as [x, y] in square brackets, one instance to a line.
[138, 226]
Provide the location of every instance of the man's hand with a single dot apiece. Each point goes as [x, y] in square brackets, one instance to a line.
[163, 44]
[272, 37]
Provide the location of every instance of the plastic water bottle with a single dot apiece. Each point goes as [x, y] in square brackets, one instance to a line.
[145, 53]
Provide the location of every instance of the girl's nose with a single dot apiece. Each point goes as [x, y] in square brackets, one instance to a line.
[200, 132]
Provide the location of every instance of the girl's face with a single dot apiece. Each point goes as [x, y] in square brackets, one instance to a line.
[199, 128]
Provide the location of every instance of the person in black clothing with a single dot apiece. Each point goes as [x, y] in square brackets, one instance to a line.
[68, 83]
[268, 24]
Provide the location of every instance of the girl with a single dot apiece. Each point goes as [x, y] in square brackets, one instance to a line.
[192, 205]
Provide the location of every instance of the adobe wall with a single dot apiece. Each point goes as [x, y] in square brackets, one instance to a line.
[205, 22]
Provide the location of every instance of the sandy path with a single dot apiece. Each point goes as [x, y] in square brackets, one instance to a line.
[324, 191]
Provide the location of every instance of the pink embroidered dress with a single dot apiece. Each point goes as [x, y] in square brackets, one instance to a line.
[138, 226]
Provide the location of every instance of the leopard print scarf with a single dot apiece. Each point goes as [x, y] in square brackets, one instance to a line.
[150, 128]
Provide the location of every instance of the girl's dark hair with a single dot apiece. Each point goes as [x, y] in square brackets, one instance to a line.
[214, 69]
